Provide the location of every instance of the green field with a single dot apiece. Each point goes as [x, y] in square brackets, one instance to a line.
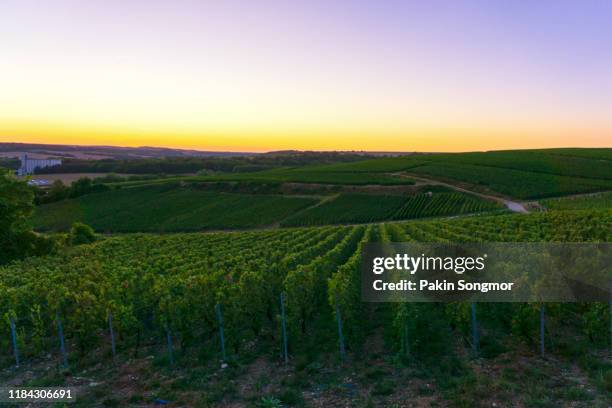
[573, 163]
[171, 207]
[309, 175]
[360, 208]
[587, 202]
[514, 183]
[382, 165]
[587, 163]
[443, 204]
[161, 291]
[542, 173]
[168, 207]
[349, 209]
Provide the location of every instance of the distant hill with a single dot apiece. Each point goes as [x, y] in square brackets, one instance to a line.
[105, 152]
[346, 152]
[40, 151]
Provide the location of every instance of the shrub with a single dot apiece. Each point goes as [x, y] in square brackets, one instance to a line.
[81, 234]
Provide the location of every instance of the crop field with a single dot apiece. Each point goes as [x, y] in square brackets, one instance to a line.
[542, 161]
[170, 207]
[162, 292]
[513, 183]
[167, 207]
[542, 173]
[586, 202]
[305, 175]
[443, 204]
[382, 165]
[360, 208]
[587, 163]
[349, 209]
[295, 175]
[273, 316]
[589, 153]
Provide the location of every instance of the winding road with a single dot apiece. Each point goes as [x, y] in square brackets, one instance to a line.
[514, 206]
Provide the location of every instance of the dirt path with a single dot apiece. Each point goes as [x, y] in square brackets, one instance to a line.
[514, 206]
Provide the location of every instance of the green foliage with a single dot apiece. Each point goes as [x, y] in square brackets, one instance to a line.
[542, 173]
[441, 204]
[555, 161]
[382, 165]
[81, 234]
[16, 206]
[183, 165]
[588, 202]
[168, 207]
[85, 186]
[506, 181]
[15, 202]
[349, 208]
[269, 402]
[306, 175]
[10, 163]
[359, 208]
[147, 281]
[59, 191]
[311, 175]
[589, 163]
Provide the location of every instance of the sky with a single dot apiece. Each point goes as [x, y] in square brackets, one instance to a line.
[313, 75]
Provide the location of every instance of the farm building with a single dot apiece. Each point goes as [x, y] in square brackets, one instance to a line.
[29, 165]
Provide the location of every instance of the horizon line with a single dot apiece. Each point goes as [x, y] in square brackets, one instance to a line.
[294, 150]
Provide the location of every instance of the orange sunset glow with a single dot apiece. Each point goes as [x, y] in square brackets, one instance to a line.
[314, 76]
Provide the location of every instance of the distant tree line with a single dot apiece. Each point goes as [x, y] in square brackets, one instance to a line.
[175, 165]
[10, 163]
[59, 191]
[17, 240]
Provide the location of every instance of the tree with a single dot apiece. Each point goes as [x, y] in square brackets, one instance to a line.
[16, 207]
[58, 191]
[81, 234]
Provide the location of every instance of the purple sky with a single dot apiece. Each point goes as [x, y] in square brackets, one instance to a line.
[380, 73]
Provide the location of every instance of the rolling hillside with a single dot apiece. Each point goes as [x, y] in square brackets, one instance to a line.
[519, 174]
[167, 208]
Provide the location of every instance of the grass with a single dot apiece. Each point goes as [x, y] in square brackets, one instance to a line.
[167, 207]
